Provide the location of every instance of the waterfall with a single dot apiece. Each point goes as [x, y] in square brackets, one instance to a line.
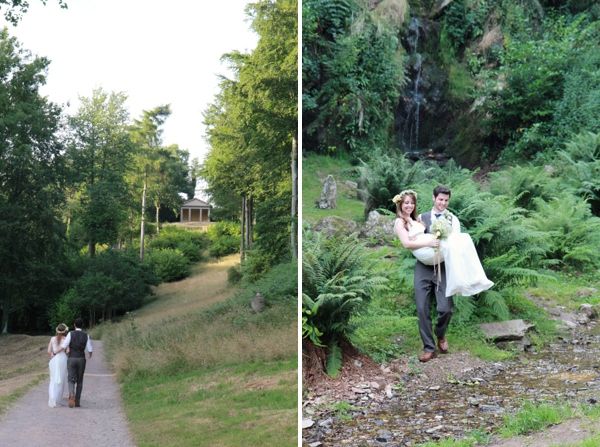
[414, 97]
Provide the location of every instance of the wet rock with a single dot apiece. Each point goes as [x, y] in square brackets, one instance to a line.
[307, 423]
[384, 436]
[506, 330]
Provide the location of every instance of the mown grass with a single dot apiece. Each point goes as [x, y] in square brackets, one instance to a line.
[23, 365]
[241, 405]
[315, 169]
[198, 367]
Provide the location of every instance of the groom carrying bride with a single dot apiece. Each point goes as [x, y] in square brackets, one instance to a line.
[443, 268]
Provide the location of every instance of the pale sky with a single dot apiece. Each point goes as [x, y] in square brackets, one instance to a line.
[155, 51]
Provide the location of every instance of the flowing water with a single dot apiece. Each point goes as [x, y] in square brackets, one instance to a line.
[566, 371]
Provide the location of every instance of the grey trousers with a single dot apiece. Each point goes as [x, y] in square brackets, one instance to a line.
[75, 369]
[426, 287]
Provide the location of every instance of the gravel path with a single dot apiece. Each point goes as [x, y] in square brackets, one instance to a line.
[100, 422]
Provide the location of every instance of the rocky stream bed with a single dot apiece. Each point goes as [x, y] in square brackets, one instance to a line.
[406, 403]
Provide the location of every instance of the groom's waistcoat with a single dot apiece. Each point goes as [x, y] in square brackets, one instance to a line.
[78, 342]
[426, 219]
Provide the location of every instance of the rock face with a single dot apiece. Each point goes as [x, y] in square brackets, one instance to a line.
[336, 226]
[378, 229]
[328, 198]
[506, 330]
[258, 303]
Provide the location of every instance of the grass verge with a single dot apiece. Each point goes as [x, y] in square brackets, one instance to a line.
[199, 368]
[315, 168]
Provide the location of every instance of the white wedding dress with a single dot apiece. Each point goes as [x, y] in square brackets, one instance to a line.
[58, 375]
[464, 273]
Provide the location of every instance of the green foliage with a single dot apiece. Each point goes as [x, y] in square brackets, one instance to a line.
[111, 283]
[352, 74]
[224, 238]
[582, 168]
[532, 417]
[573, 233]
[338, 279]
[168, 264]
[190, 243]
[251, 127]
[548, 87]
[333, 365]
[234, 275]
[33, 267]
[384, 335]
[385, 176]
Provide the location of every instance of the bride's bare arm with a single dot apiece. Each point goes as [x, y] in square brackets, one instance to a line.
[402, 234]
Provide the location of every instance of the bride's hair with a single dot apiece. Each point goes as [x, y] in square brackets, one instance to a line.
[61, 330]
[399, 200]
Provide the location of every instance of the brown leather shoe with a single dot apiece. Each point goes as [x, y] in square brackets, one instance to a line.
[426, 356]
[443, 345]
[71, 401]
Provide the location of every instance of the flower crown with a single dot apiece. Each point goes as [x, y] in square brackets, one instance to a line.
[399, 197]
[63, 331]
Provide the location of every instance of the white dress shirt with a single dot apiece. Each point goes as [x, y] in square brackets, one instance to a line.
[67, 340]
[455, 221]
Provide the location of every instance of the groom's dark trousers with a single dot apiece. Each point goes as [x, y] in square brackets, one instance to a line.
[427, 285]
[76, 363]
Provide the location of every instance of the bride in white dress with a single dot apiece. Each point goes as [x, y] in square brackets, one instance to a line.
[58, 367]
[464, 274]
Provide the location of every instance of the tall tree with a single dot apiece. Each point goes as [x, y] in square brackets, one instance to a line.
[31, 177]
[251, 129]
[146, 133]
[100, 151]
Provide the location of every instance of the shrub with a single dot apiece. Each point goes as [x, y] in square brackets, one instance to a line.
[234, 274]
[190, 243]
[338, 279]
[168, 264]
[224, 238]
[111, 283]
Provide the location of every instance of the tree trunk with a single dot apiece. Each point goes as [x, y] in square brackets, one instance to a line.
[294, 209]
[157, 214]
[4, 319]
[249, 224]
[143, 221]
[243, 231]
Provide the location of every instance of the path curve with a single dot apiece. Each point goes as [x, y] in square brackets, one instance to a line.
[100, 422]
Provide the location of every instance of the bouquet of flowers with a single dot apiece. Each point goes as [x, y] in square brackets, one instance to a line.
[440, 229]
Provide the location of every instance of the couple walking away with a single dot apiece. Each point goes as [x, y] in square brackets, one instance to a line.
[447, 263]
[67, 363]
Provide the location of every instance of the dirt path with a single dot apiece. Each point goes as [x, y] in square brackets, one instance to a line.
[100, 422]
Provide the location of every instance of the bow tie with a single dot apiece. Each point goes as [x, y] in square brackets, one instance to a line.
[437, 215]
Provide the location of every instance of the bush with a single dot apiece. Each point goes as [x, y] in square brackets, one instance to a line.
[111, 283]
[224, 238]
[189, 243]
[234, 274]
[168, 264]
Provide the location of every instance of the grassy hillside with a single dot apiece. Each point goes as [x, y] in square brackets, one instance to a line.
[23, 364]
[199, 368]
[315, 168]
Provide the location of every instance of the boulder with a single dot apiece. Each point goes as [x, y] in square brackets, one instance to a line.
[506, 330]
[336, 226]
[378, 229]
[258, 303]
[328, 198]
